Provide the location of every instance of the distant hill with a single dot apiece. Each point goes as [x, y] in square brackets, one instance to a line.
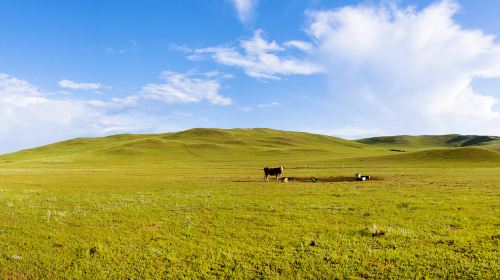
[466, 155]
[402, 142]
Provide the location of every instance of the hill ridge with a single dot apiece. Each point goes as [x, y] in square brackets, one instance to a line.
[205, 143]
[433, 141]
[244, 144]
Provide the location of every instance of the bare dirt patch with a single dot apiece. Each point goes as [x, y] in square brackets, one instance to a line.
[331, 179]
[324, 179]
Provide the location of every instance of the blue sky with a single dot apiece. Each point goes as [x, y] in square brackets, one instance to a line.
[344, 68]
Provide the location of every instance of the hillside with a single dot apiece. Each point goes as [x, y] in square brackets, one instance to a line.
[206, 146]
[406, 142]
[195, 145]
[444, 157]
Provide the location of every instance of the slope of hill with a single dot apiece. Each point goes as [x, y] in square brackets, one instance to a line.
[199, 144]
[205, 146]
[466, 155]
[432, 141]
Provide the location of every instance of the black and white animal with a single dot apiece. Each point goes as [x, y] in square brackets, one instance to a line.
[360, 177]
[287, 179]
[270, 171]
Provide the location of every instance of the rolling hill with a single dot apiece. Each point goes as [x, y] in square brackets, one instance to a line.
[403, 142]
[195, 145]
[447, 157]
[265, 146]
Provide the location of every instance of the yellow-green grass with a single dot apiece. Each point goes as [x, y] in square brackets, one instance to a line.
[145, 206]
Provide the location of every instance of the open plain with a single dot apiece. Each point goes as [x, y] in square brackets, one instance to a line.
[194, 204]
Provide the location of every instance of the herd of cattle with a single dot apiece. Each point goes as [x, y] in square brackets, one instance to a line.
[276, 171]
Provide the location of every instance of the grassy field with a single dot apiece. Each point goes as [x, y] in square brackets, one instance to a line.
[193, 205]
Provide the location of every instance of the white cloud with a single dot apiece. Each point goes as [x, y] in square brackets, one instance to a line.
[217, 74]
[244, 9]
[31, 118]
[10, 86]
[81, 86]
[269, 105]
[245, 109]
[183, 88]
[301, 45]
[115, 102]
[260, 58]
[408, 70]
[180, 48]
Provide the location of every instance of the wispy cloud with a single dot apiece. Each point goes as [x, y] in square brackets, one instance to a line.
[261, 59]
[124, 49]
[245, 9]
[116, 102]
[301, 45]
[81, 86]
[184, 88]
[245, 109]
[217, 74]
[269, 105]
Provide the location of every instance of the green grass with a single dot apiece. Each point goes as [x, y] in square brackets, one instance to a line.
[193, 205]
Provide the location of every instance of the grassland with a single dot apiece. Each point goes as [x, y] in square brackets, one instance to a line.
[193, 205]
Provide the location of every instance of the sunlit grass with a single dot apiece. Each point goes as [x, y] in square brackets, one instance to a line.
[202, 219]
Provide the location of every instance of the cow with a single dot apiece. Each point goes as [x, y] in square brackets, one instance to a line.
[276, 171]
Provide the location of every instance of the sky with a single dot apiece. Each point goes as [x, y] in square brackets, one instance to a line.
[350, 69]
